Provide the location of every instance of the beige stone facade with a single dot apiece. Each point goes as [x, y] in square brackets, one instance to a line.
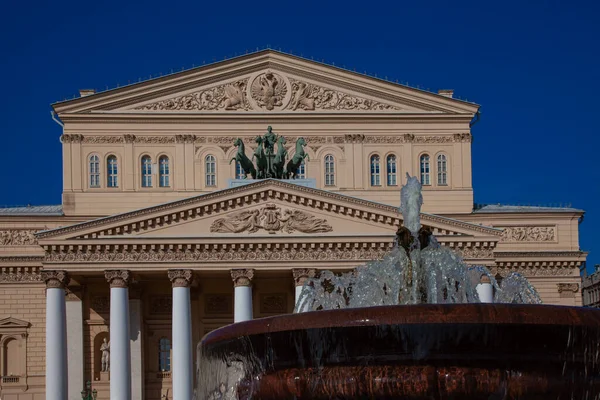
[148, 188]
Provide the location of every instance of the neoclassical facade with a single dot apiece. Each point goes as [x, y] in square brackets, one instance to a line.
[159, 240]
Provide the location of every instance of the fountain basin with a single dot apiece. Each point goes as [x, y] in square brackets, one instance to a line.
[430, 351]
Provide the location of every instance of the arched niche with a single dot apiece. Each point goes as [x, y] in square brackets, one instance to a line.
[98, 340]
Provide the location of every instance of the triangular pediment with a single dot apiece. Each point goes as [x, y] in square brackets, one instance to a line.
[270, 208]
[266, 81]
[11, 322]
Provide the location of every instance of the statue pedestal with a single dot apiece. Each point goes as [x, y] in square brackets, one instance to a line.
[104, 376]
[310, 182]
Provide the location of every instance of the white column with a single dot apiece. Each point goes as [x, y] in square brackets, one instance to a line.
[242, 281]
[120, 352]
[135, 344]
[182, 370]
[74, 308]
[300, 277]
[485, 290]
[56, 335]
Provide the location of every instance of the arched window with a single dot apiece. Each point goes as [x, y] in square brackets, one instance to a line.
[239, 171]
[211, 170]
[442, 170]
[375, 170]
[425, 178]
[329, 170]
[163, 172]
[146, 171]
[164, 355]
[391, 170]
[94, 167]
[112, 176]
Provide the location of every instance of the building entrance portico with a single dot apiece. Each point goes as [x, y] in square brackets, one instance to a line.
[159, 279]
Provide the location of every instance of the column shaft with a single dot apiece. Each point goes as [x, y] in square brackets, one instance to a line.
[56, 335]
[182, 344]
[56, 345]
[485, 290]
[182, 367]
[243, 304]
[242, 281]
[120, 351]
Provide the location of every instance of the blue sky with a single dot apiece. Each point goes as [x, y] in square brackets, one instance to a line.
[532, 65]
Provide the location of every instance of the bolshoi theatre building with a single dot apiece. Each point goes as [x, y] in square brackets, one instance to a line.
[163, 234]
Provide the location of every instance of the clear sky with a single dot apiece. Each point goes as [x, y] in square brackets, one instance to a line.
[532, 65]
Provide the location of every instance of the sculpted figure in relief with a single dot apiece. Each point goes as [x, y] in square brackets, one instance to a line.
[296, 220]
[301, 97]
[105, 349]
[239, 222]
[234, 95]
[268, 90]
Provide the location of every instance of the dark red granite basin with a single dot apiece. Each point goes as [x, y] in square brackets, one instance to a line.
[459, 351]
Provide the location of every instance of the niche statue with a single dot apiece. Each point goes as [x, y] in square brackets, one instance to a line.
[105, 349]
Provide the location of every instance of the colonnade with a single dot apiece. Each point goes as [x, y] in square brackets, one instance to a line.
[120, 363]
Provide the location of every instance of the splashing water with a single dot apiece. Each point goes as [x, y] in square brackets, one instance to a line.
[416, 271]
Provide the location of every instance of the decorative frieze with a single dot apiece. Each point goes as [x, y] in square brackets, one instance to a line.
[242, 277]
[185, 138]
[559, 269]
[18, 237]
[529, 234]
[181, 277]
[476, 252]
[273, 303]
[71, 138]
[55, 279]
[129, 138]
[20, 275]
[567, 287]
[155, 139]
[225, 254]
[302, 274]
[272, 219]
[118, 278]
[106, 139]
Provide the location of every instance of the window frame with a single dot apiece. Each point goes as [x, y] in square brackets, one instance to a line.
[110, 175]
[426, 173]
[166, 353]
[167, 175]
[208, 173]
[329, 170]
[389, 174]
[146, 181]
[445, 170]
[91, 173]
[375, 173]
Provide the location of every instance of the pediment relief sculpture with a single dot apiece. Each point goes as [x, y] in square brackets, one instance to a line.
[268, 91]
[529, 234]
[271, 218]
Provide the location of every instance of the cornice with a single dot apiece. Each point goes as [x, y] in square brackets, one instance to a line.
[21, 259]
[539, 254]
[251, 194]
[174, 117]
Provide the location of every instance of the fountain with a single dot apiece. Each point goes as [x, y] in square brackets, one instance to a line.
[409, 326]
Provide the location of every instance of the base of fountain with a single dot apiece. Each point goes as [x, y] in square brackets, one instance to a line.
[463, 351]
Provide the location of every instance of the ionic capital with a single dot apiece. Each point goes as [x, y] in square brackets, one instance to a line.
[181, 277]
[242, 277]
[118, 278]
[302, 274]
[55, 279]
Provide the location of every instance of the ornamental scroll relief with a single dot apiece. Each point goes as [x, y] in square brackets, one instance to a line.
[529, 234]
[271, 219]
[269, 91]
